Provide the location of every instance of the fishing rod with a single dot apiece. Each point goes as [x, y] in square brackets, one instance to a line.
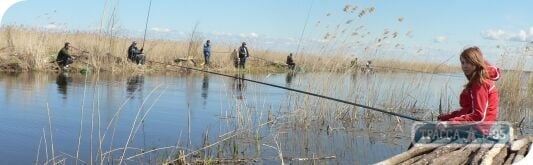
[82, 51]
[444, 125]
[304, 92]
[305, 26]
[73, 47]
[146, 24]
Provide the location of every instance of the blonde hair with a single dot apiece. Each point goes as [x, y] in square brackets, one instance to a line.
[474, 56]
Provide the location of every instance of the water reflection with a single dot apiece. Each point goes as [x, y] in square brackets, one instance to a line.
[62, 82]
[307, 129]
[135, 84]
[205, 87]
[354, 76]
[239, 85]
[289, 78]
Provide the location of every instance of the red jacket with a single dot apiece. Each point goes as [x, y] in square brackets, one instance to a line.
[479, 102]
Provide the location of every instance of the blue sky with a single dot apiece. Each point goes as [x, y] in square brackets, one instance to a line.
[430, 29]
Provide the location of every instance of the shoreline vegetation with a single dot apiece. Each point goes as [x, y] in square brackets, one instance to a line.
[28, 49]
[243, 139]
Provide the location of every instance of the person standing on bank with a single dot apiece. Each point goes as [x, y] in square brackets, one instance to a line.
[135, 55]
[235, 58]
[479, 98]
[243, 54]
[207, 52]
[290, 62]
[63, 57]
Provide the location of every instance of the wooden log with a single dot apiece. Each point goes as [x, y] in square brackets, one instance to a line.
[510, 158]
[500, 158]
[460, 156]
[412, 160]
[443, 150]
[479, 154]
[518, 144]
[528, 158]
[413, 152]
[496, 155]
[521, 153]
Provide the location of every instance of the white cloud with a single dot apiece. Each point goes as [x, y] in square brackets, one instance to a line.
[494, 34]
[221, 33]
[253, 35]
[160, 30]
[520, 36]
[249, 35]
[440, 39]
[51, 26]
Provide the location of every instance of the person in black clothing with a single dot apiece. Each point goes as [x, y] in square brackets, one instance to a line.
[207, 52]
[136, 55]
[235, 58]
[63, 57]
[243, 54]
[290, 62]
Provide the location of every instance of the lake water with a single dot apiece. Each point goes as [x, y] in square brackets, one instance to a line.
[45, 115]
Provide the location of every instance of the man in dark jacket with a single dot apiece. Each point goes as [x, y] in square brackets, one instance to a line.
[63, 57]
[290, 62]
[136, 55]
[243, 54]
[207, 52]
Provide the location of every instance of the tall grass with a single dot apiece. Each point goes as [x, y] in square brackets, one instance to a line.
[36, 49]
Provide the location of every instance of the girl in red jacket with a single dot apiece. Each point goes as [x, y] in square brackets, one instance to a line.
[479, 98]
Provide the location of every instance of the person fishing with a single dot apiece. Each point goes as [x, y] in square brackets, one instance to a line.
[479, 98]
[235, 58]
[478, 103]
[64, 58]
[368, 63]
[290, 62]
[354, 63]
[136, 55]
[243, 54]
[207, 52]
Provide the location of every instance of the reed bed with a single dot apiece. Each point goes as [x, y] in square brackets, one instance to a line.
[35, 50]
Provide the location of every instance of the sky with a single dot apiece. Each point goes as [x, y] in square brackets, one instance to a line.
[434, 30]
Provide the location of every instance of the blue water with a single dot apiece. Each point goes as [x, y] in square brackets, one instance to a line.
[181, 109]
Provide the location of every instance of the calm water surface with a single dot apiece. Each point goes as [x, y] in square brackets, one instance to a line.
[162, 111]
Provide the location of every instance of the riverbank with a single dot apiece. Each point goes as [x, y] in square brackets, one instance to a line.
[26, 49]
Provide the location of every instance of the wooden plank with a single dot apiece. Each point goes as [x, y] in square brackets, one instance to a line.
[518, 144]
[460, 156]
[413, 152]
[479, 154]
[491, 156]
[521, 153]
[443, 150]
